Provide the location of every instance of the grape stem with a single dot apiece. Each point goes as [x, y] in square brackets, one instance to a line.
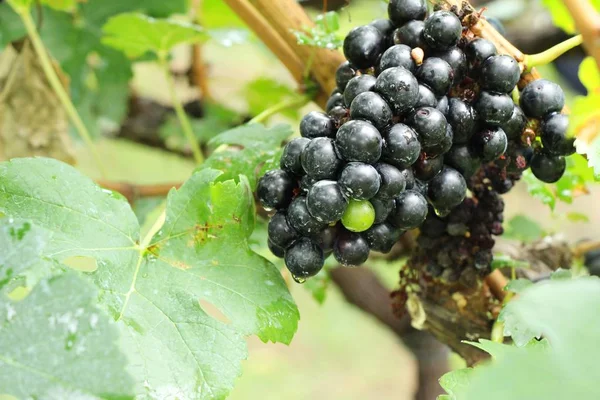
[546, 57]
[581, 249]
[277, 108]
[181, 115]
[56, 84]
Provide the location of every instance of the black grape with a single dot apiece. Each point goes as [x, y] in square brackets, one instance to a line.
[319, 159]
[275, 189]
[326, 202]
[359, 141]
[304, 259]
[351, 249]
[290, 159]
[359, 181]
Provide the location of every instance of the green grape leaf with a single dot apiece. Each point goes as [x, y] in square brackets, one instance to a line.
[323, 34]
[260, 145]
[577, 217]
[561, 16]
[170, 291]
[456, 382]
[137, 34]
[56, 343]
[523, 228]
[565, 313]
[318, 285]
[255, 136]
[506, 261]
[217, 14]
[518, 285]
[25, 242]
[61, 5]
[263, 93]
[561, 274]
[539, 189]
[589, 74]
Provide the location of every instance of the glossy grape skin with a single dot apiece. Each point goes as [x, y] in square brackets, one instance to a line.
[402, 11]
[554, 135]
[383, 209]
[425, 169]
[443, 146]
[277, 251]
[463, 120]
[280, 231]
[275, 189]
[343, 74]
[515, 126]
[442, 30]
[335, 100]
[402, 146]
[382, 237]
[359, 181]
[542, 97]
[392, 181]
[436, 74]
[384, 25]
[359, 141]
[399, 88]
[359, 216]
[443, 105]
[326, 237]
[547, 167]
[477, 51]
[426, 98]
[463, 159]
[319, 159]
[410, 212]
[448, 189]
[363, 45]
[304, 259]
[420, 187]
[397, 56]
[494, 108]
[457, 60]
[356, 86]
[326, 202]
[370, 106]
[410, 34]
[290, 159]
[430, 125]
[409, 177]
[490, 143]
[300, 218]
[339, 115]
[307, 182]
[317, 124]
[500, 74]
[351, 249]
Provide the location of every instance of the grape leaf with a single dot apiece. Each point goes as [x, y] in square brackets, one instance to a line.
[523, 228]
[565, 312]
[25, 242]
[539, 189]
[263, 93]
[217, 14]
[137, 34]
[56, 343]
[323, 34]
[162, 288]
[62, 5]
[260, 145]
[561, 16]
[456, 382]
[518, 285]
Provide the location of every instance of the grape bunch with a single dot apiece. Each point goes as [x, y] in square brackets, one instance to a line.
[423, 112]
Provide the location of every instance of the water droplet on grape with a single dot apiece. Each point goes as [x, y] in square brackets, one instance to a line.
[299, 279]
[442, 213]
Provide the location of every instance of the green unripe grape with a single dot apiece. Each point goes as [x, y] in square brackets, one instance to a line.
[359, 216]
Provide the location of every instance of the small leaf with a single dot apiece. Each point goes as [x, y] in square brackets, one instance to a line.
[255, 136]
[561, 274]
[263, 93]
[561, 16]
[539, 190]
[577, 217]
[589, 74]
[318, 286]
[518, 285]
[523, 228]
[456, 382]
[137, 34]
[506, 261]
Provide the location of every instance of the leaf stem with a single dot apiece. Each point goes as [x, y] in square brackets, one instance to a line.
[181, 115]
[57, 86]
[284, 105]
[546, 57]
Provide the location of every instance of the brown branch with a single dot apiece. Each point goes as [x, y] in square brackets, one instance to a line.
[497, 282]
[269, 36]
[132, 192]
[199, 72]
[587, 21]
[285, 16]
[585, 247]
